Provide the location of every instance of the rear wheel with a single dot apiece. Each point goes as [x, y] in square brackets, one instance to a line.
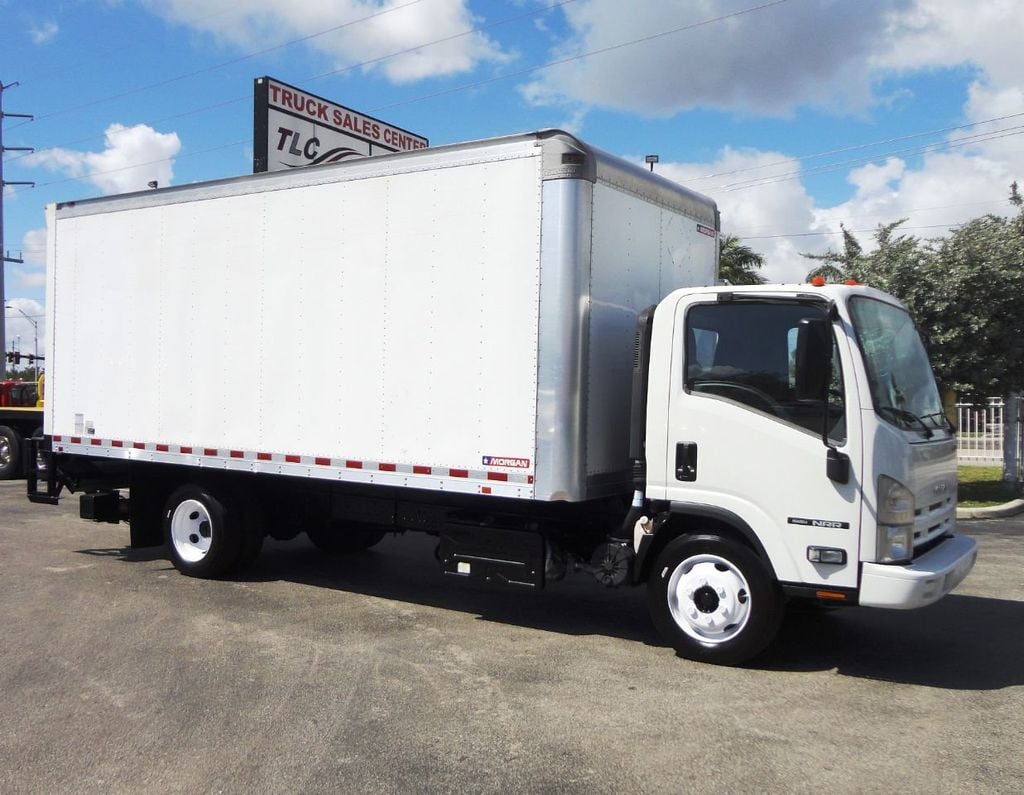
[10, 453]
[714, 600]
[203, 532]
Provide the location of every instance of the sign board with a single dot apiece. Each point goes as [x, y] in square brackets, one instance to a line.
[292, 128]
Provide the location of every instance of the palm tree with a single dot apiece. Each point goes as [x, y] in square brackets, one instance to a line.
[737, 263]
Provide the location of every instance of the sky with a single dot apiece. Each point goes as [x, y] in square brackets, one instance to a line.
[795, 116]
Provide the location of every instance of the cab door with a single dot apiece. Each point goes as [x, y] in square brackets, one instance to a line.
[741, 445]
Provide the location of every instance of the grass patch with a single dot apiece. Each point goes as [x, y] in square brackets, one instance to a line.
[982, 486]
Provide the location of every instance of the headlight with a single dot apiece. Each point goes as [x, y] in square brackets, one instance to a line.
[895, 540]
[895, 502]
[895, 543]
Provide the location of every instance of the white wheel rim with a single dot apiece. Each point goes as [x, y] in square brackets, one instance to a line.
[5, 451]
[191, 530]
[709, 598]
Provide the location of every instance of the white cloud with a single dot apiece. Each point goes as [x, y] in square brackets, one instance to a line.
[21, 334]
[781, 220]
[263, 23]
[827, 54]
[820, 53]
[766, 62]
[763, 211]
[133, 157]
[43, 33]
[33, 246]
[30, 280]
[949, 33]
[949, 188]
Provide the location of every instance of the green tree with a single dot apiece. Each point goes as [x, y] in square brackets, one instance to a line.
[970, 302]
[838, 266]
[24, 374]
[737, 263]
[965, 291]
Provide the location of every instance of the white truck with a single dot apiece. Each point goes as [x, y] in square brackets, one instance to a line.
[514, 345]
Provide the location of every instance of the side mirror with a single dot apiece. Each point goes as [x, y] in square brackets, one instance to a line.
[813, 359]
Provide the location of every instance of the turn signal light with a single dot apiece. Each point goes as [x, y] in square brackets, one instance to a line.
[826, 555]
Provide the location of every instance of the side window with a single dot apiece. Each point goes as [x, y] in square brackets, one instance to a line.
[745, 352]
[836, 407]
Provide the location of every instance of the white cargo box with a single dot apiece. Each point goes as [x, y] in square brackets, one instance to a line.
[459, 318]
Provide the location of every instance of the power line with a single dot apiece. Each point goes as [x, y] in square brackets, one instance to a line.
[855, 147]
[851, 231]
[125, 46]
[938, 146]
[92, 174]
[979, 137]
[910, 210]
[480, 29]
[351, 67]
[4, 258]
[214, 67]
[580, 56]
[465, 87]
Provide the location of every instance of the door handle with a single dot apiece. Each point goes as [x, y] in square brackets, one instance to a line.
[686, 461]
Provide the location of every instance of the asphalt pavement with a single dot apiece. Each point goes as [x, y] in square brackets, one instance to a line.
[375, 674]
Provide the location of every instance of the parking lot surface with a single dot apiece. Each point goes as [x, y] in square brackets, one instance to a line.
[375, 674]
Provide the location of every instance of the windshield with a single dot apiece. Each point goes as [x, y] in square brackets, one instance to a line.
[902, 384]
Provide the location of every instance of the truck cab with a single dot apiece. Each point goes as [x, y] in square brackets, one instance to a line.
[801, 424]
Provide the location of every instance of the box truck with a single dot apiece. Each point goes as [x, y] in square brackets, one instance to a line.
[516, 346]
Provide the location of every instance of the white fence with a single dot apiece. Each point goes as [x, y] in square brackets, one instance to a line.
[980, 432]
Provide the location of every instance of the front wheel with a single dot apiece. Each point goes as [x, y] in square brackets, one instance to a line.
[714, 600]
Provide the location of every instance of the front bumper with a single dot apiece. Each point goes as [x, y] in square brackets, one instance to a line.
[927, 579]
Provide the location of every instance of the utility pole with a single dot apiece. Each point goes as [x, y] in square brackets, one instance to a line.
[4, 259]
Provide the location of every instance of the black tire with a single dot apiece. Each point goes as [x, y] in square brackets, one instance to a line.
[714, 600]
[10, 453]
[203, 532]
[337, 538]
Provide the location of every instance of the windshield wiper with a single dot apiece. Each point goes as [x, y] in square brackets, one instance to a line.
[906, 416]
[945, 420]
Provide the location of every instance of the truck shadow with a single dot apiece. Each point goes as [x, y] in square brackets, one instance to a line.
[406, 570]
[960, 643]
